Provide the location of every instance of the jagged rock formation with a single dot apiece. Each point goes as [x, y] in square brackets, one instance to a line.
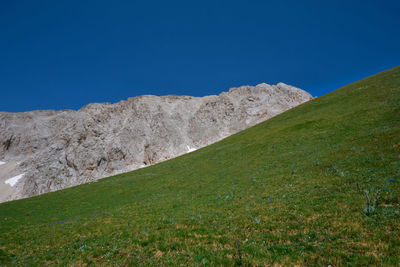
[60, 149]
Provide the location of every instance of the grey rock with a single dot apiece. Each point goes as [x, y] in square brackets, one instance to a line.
[60, 149]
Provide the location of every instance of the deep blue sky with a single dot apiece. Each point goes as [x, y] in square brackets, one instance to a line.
[65, 54]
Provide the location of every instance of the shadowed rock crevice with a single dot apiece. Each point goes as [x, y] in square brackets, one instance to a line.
[7, 143]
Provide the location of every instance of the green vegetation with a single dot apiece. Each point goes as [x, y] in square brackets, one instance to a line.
[288, 191]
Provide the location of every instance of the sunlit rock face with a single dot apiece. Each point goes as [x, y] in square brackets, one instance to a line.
[59, 149]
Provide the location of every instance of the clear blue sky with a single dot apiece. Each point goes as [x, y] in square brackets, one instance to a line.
[65, 54]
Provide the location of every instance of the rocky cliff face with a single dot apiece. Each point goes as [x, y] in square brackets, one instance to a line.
[59, 149]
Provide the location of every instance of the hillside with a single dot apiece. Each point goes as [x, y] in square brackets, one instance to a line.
[287, 191]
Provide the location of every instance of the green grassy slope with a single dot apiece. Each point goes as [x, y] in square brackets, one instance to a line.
[287, 191]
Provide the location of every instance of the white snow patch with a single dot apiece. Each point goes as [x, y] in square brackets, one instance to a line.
[191, 149]
[12, 181]
[2, 162]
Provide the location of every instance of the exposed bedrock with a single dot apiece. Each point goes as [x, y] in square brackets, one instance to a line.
[60, 149]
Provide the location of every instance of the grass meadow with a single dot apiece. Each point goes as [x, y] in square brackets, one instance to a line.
[293, 190]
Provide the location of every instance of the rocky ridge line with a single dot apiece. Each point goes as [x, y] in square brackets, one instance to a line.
[60, 149]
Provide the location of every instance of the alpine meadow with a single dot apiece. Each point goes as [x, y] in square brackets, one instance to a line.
[317, 185]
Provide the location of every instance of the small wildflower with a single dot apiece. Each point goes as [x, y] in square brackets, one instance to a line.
[391, 180]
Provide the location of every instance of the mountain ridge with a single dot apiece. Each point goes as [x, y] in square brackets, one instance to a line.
[59, 149]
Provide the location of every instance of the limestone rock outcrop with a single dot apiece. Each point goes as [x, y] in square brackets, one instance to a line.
[60, 149]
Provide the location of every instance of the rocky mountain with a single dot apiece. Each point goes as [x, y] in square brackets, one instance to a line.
[43, 151]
